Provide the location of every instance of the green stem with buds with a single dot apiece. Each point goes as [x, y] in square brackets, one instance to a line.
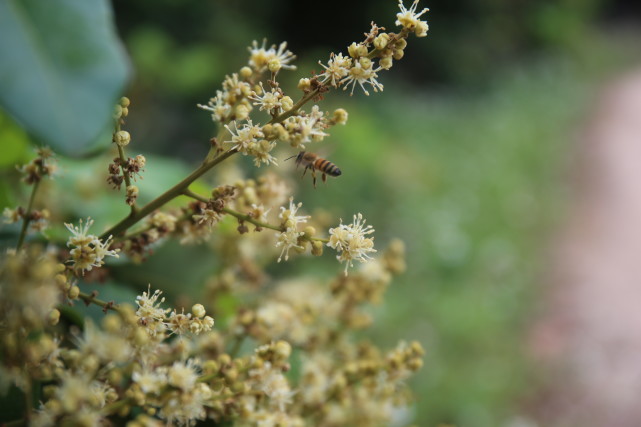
[167, 196]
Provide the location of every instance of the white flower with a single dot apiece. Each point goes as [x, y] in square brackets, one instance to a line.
[183, 375]
[259, 57]
[363, 72]
[408, 18]
[209, 218]
[150, 381]
[89, 250]
[149, 312]
[337, 67]
[289, 238]
[351, 241]
[269, 101]
[218, 106]
[245, 136]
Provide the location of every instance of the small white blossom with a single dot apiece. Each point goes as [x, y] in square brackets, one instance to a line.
[289, 238]
[269, 101]
[183, 374]
[149, 312]
[351, 241]
[218, 107]
[363, 72]
[11, 215]
[260, 57]
[89, 250]
[151, 381]
[209, 218]
[244, 136]
[408, 18]
[337, 67]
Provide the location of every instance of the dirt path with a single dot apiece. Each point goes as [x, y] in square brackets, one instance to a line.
[589, 336]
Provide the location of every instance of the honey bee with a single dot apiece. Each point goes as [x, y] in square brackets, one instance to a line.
[315, 163]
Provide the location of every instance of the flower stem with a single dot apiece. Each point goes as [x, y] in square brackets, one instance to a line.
[167, 196]
[91, 299]
[27, 216]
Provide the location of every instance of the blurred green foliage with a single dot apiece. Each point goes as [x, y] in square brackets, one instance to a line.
[468, 178]
[62, 70]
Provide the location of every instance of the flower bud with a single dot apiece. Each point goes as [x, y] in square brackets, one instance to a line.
[400, 44]
[398, 54]
[274, 65]
[124, 102]
[122, 138]
[386, 63]
[317, 248]
[304, 84]
[340, 116]
[310, 231]
[198, 310]
[125, 112]
[246, 72]
[365, 62]
[381, 41]
[117, 112]
[287, 103]
[73, 292]
[54, 317]
[242, 112]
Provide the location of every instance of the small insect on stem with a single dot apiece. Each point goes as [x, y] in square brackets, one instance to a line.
[315, 163]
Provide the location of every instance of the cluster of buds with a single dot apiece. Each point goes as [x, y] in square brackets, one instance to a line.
[131, 167]
[358, 66]
[124, 169]
[43, 165]
[38, 219]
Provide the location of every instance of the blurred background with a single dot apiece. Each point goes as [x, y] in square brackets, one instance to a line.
[466, 156]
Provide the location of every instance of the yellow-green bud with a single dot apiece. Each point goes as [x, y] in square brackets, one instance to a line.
[125, 112]
[117, 112]
[283, 350]
[124, 101]
[61, 279]
[122, 138]
[60, 268]
[400, 44]
[357, 50]
[198, 310]
[386, 63]
[340, 116]
[317, 248]
[287, 103]
[398, 54]
[246, 72]
[54, 317]
[242, 112]
[73, 293]
[304, 84]
[381, 41]
[112, 323]
[274, 65]
[309, 231]
[365, 62]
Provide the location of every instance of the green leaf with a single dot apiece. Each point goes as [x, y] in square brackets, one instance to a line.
[62, 69]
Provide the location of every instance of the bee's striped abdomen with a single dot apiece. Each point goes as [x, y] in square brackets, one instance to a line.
[327, 167]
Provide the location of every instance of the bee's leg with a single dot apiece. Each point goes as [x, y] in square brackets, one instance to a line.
[305, 171]
[324, 178]
[314, 177]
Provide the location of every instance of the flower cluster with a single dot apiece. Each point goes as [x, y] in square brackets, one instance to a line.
[149, 365]
[351, 241]
[88, 250]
